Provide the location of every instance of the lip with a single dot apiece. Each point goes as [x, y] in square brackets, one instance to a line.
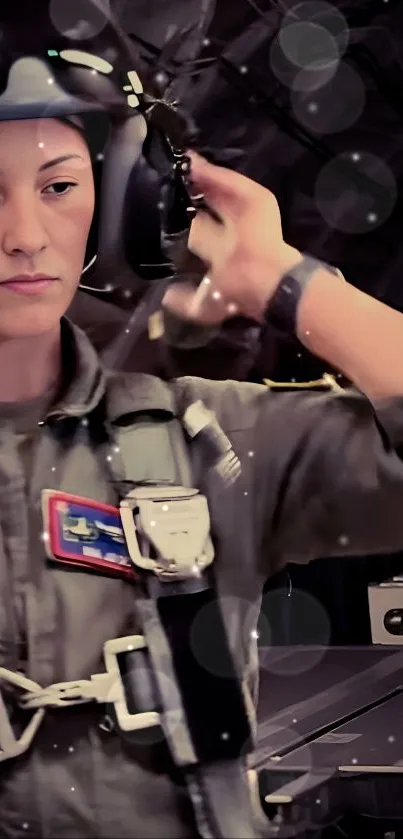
[29, 284]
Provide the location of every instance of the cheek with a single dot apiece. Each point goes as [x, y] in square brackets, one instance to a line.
[73, 232]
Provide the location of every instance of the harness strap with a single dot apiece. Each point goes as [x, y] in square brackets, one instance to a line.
[204, 716]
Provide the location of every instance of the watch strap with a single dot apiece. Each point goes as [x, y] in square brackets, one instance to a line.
[282, 308]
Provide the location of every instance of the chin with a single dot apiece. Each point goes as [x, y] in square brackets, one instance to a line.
[32, 322]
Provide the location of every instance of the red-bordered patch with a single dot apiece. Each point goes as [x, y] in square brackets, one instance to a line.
[85, 533]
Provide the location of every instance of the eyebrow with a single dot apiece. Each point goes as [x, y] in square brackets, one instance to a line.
[57, 160]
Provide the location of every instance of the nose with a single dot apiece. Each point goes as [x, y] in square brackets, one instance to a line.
[24, 231]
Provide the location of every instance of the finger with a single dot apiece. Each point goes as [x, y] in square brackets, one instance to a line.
[197, 306]
[224, 189]
[210, 241]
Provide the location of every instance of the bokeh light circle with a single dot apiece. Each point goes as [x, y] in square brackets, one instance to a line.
[355, 192]
[79, 18]
[307, 45]
[323, 14]
[241, 632]
[297, 619]
[333, 107]
[309, 78]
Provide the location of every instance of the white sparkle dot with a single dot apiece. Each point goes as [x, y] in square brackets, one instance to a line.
[55, 745]
[355, 156]
[254, 634]
[245, 493]
[73, 789]
[130, 647]
[161, 205]
[41, 145]
[108, 287]
[372, 217]
[71, 749]
[232, 308]
[307, 332]
[53, 468]
[354, 760]
[295, 721]
[94, 72]
[116, 449]
[45, 536]
[225, 735]
[299, 355]
[343, 540]
[292, 380]
[312, 107]
[100, 156]
[165, 508]
[243, 69]
[50, 81]
[84, 422]
[152, 523]
[206, 42]
[196, 570]
[317, 801]
[109, 458]
[391, 739]
[127, 331]
[127, 293]
[216, 295]
[251, 454]
[206, 280]
[25, 825]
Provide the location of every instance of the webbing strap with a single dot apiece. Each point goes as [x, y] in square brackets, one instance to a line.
[152, 449]
[155, 450]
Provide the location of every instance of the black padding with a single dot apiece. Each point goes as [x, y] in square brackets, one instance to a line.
[210, 690]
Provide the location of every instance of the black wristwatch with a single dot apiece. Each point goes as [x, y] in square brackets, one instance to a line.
[282, 308]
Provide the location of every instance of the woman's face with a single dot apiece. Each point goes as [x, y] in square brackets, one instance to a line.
[46, 208]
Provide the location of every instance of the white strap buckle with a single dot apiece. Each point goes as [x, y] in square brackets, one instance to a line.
[167, 531]
[104, 688]
[10, 745]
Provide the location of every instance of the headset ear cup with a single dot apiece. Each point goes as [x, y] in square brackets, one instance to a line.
[142, 224]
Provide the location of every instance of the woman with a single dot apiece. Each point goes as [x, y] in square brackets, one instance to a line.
[59, 415]
[47, 202]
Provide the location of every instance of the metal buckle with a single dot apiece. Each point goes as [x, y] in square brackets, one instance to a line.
[102, 688]
[10, 745]
[126, 720]
[174, 524]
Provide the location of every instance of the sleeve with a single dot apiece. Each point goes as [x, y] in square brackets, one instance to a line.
[327, 469]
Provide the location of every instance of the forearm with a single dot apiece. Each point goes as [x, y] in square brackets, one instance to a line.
[354, 333]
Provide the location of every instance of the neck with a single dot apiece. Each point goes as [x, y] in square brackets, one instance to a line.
[29, 367]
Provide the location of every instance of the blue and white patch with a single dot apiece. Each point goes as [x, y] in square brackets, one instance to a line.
[85, 533]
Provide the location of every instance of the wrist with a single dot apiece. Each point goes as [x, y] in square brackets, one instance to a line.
[286, 259]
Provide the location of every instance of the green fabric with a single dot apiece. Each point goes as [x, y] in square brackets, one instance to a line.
[318, 479]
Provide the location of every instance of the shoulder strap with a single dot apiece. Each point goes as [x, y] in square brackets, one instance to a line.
[149, 443]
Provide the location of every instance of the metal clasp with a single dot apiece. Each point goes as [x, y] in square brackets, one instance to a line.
[126, 720]
[104, 688]
[167, 531]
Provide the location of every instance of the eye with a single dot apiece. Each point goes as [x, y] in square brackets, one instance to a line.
[59, 188]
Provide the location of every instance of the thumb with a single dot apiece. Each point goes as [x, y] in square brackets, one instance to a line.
[223, 188]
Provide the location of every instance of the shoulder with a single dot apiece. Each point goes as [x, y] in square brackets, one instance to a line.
[234, 403]
[237, 405]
